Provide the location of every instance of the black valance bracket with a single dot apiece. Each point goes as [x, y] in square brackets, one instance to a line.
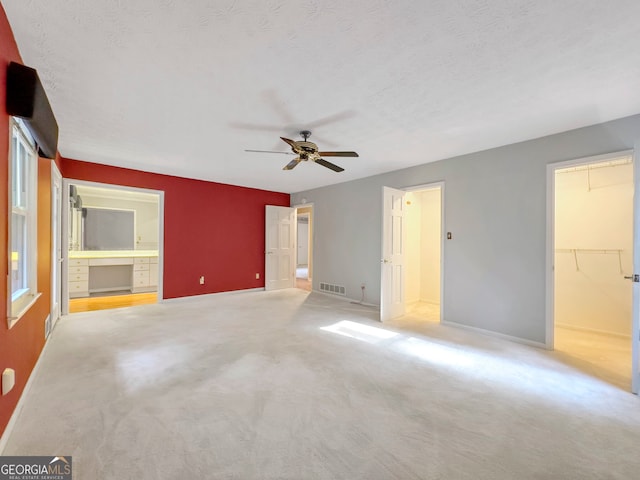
[27, 99]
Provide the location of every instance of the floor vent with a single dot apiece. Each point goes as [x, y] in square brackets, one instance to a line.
[335, 289]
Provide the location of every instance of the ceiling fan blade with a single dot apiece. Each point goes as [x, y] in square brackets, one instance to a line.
[336, 117]
[338, 154]
[321, 139]
[255, 126]
[273, 99]
[329, 165]
[292, 164]
[289, 141]
[270, 151]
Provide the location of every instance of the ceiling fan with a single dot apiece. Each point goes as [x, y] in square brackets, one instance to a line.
[308, 151]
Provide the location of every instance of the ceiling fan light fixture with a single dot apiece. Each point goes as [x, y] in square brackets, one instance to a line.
[308, 151]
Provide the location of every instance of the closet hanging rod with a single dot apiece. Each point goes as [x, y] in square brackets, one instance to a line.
[595, 166]
[575, 251]
[603, 251]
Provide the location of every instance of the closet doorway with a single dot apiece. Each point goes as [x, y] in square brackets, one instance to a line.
[304, 240]
[423, 251]
[592, 254]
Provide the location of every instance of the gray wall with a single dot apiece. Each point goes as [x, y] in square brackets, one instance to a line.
[495, 207]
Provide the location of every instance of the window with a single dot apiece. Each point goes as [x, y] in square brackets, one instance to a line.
[22, 228]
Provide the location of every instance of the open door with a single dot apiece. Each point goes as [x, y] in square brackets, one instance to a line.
[280, 248]
[635, 321]
[392, 263]
[56, 245]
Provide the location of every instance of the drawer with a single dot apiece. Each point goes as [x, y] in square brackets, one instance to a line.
[140, 282]
[82, 286]
[140, 260]
[141, 279]
[153, 260]
[141, 275]
[140, 267]
[83, 270]
[76, 262]
[78, 277]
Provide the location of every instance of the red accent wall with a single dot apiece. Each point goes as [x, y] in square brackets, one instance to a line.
[21, 345]
[210, 229]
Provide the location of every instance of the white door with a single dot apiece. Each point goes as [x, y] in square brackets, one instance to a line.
[280, 248]
[635, 321]
[56, 243]
[392, 263]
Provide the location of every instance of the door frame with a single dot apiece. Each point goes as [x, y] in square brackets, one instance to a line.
[311, 236]
[65, 232]
[432, 186]
[57, 275]
[550, 253]
[550, 241]
[635, 311]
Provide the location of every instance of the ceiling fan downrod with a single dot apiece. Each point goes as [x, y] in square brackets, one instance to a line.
[305, 134]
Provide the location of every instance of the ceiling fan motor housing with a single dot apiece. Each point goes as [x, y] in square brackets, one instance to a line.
[308, 147]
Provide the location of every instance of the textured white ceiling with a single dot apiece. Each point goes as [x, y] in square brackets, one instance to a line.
[184, 87]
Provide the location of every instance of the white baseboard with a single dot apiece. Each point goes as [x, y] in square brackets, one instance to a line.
[491, 333]
[592, 330]
[211, 295]
[16, 411]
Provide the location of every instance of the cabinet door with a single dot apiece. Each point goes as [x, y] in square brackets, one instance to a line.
[141, 278]
[79, 289]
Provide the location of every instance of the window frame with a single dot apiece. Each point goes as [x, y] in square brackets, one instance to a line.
[20, 302]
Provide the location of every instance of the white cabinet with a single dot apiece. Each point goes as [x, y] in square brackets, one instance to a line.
[145, 274]
[105, 274]
[78, 277]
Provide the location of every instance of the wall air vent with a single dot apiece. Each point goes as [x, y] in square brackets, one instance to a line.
[335, 289]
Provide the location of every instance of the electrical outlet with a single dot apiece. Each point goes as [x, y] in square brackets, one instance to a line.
[257, 276]
[202, 280]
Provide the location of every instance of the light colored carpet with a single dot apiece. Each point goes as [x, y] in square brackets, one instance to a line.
[607, 357]
[292, 385]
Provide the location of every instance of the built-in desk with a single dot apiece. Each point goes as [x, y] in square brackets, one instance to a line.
[108, 271]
